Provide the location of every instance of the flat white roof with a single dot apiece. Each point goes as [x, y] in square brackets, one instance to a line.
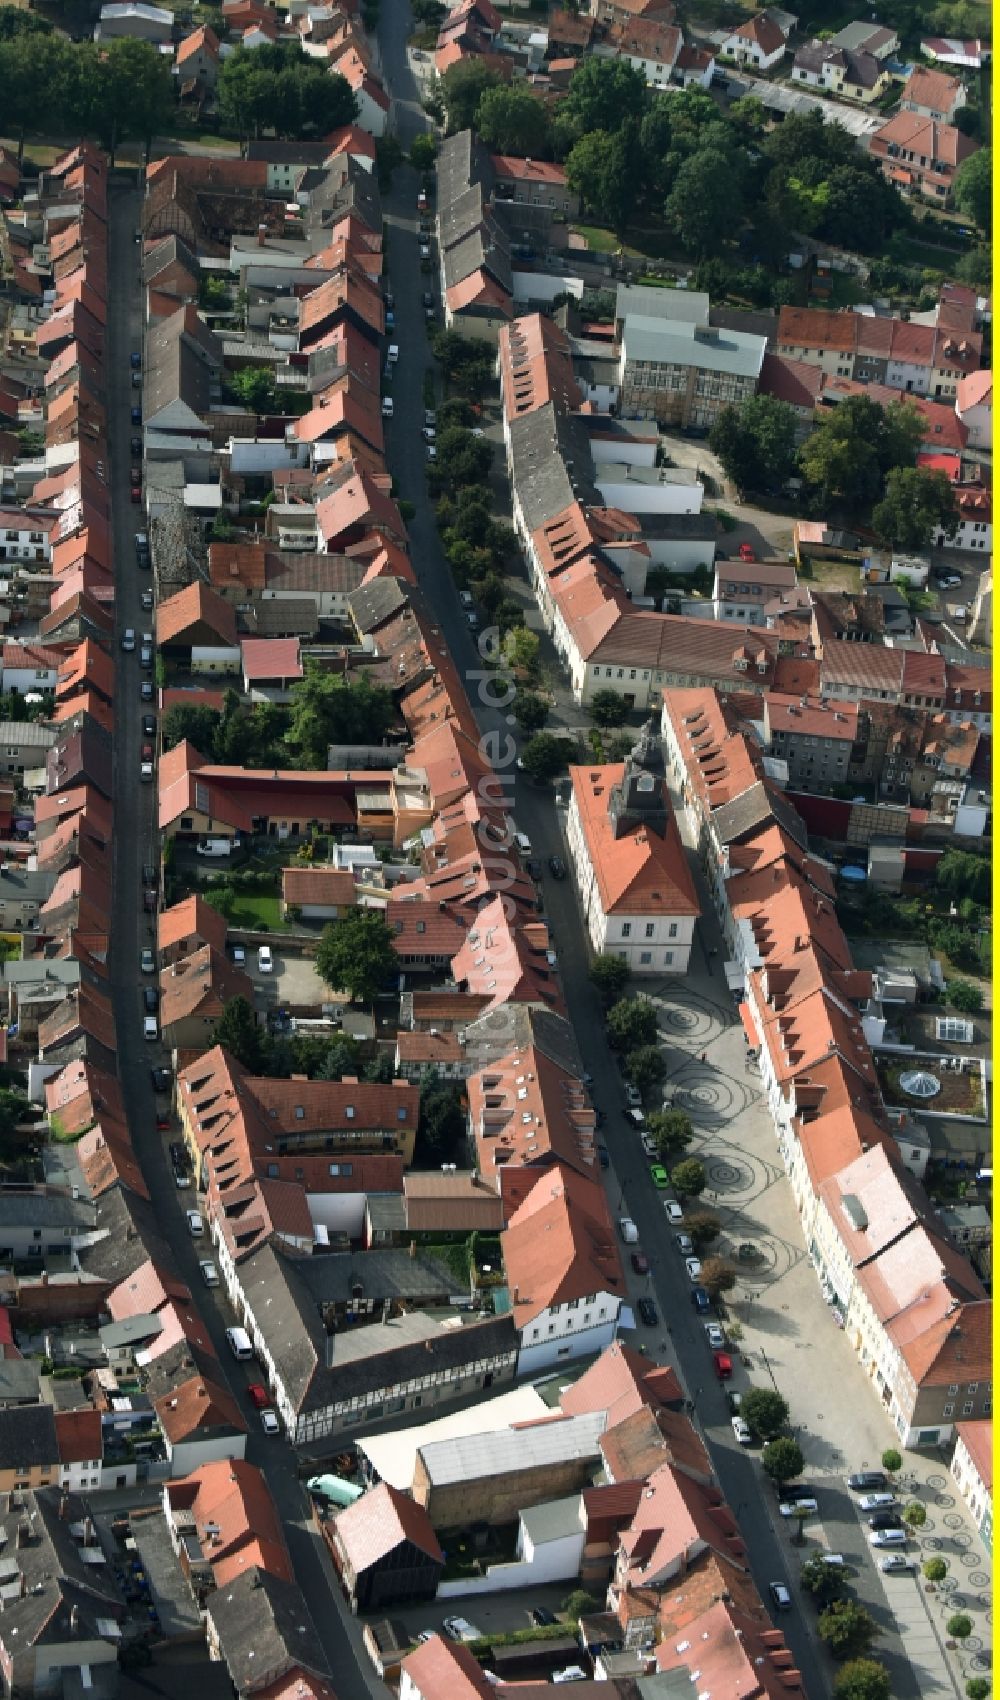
[394, 1455]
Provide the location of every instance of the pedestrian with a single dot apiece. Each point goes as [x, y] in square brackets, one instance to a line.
[704, 1057]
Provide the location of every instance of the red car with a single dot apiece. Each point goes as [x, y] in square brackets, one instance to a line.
[640, 1263]
[259, 1396]
[723, 1365]
[136, 494]
[746, 553]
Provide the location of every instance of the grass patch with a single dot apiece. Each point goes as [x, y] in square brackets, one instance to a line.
[601, 241]
[830, 575]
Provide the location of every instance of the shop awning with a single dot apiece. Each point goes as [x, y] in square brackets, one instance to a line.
[749, 1027]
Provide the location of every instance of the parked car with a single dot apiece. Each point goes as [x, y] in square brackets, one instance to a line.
[876, 1501]
[742, 1432]
[885, 1520]
[149, 725]
[147, 962]
[714, 1336]
[259, 1395]
[640, 1263]
[685, 1244]
[746, 552]
[735, 1402]
[136, 418]
[387, 407]
[147, 600]
[146, 690]
[700, 1299]
[128, 639]
[195, 1223]
[896, 1563]
[161, 1078]
[265, 960]
[542, 1618]
[146, 772]
[557, 867]
[135, 443]
[794, 1490]
[150, 1027]
[658, 1175]
[723, 1365]
[209, 1273]
[460, 1629]
[135, 361]
[633, 1097]
[603, 1157]
[693, 1267]
[674, 1210]
[647, 1312]
[780, 1596]
[888, 1538]
[791, 1507]
[867, 1481]
[269, 1422]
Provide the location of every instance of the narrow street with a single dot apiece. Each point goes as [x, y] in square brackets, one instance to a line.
[136, 843]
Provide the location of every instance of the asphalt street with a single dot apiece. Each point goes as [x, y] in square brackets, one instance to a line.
[136, 843]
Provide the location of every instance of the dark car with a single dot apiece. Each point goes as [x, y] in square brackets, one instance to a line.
[867, 1481]
[146, 690]
[534, 868]
[557, 867]
[136, 417]
[428, 298]
[602, 1156]
[543, 1619]
[885, 1520]
[161, 1078]
[135, 443]
[178, 1154]
[150, 874]
[151, 999]
[701, 1300]
[640, 1263]
[647, 1312]
[135, 361]
[787, 1491]
[149, 901]
[149, 725]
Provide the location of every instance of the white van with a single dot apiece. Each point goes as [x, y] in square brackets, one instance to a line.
[214, 847]
[523, 843]
[239, 1343]
[393, 354]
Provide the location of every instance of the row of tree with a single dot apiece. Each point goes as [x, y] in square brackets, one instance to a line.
[859, 461]
[278, 88]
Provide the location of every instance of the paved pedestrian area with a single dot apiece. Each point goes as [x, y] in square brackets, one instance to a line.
[789, 1337]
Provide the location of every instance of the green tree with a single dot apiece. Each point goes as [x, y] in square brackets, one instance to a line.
[37, 75]
[423, 151]
[965, 997]
[756, 442]
[579, 1604]
[646, 1067]
[781, 1459]
[706, 204]
[544, 756]
[846, 1627]
[702, 1228]
[602, 94]
[764, 1411]
[510, 119]
[132, 92]
[604, 170]
[356, 954]
[462, 459]
[194, 724]
[960, 874]
[238, 1033]
[442, 1126]
[14, 22]
[631, 1023]
[254, 386]
[672, 1132]
[862, 1679]
[610, 974]
[328, 709]
[915, 1514]
[973, 188]
[935, 1569]
[689, 1178]
[340, 1058]
[717, 1276]
[848, 456]
[521, 649]
[823, 1581]
[530, 711]
[430, 13]
[607, 708]
[917, 505]
[959, 1627]
[892, 1461]
[278, 87]
[462, 88]
[977, 1688]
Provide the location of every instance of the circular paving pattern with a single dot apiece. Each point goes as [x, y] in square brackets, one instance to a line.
[963, 1540]
[944, 1499]
[937, 1481]
[980, 1579]
[933, 1543]
[966, 1558]
[953, 1521]
[980, 1661]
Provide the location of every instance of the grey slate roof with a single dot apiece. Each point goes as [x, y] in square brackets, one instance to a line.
[263, 1624]
[28, 1436]
[283, 616]
[46, 1211]
[132, 1237]
[484, 249]
[26, 885]
[377, 602]
[28, 734]
[56, 1577]
[513, 1026]
[753, 809]
[550, 452]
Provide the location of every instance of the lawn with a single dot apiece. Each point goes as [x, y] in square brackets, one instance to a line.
[830, 575]
[602, 241]
[255, 910]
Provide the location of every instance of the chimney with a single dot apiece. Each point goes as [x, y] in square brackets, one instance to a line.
[64, 1506]
[74, 1620]
[413, 1248]
[262, 235]
[22, 1534]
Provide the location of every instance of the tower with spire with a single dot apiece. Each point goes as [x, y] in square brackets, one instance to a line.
[640, 799]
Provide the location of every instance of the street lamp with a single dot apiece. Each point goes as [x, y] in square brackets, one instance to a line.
[767, 1365]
